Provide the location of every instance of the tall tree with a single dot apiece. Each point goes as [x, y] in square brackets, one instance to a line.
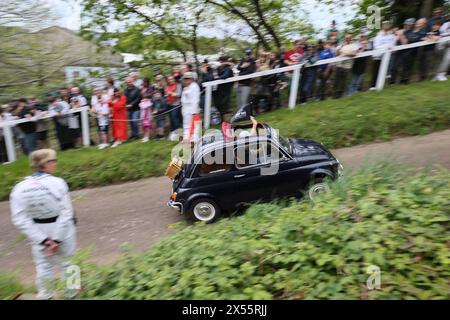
[18, 19]
[271, 21]
[147, 26]
[32, 55]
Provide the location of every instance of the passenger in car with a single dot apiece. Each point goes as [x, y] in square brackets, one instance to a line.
[253, 131]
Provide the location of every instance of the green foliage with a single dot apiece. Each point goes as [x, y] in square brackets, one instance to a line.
[149, 25]
[154, 25]
[271, 23]
[378, 216]
[10, 286]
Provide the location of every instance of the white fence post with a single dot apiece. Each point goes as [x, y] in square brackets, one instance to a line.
[85, 126]
[381, 79]
[207, 111]
[9, 141]
[294, 88]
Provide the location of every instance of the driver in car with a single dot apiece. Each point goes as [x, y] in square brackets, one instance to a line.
[253, 131]
[253, 154]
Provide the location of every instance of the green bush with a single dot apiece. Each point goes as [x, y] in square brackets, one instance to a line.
[379, 216]
[10, 286]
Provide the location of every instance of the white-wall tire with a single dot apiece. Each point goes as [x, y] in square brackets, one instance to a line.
[317, 188]
[205, 210]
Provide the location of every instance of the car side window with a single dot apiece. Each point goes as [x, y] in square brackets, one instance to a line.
[214, 162]
[251, 154]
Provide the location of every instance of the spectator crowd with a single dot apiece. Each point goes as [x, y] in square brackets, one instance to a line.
[171, 102]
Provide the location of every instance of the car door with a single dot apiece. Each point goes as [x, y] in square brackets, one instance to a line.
[214, 178]
[276, 175]
[286, 176]
[251, 181]
[292, 177]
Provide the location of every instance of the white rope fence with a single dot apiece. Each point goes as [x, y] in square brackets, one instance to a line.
[7, 127]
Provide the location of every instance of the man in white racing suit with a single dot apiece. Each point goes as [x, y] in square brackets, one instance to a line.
[41, 208]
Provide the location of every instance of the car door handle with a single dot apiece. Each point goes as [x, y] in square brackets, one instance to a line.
[239, 176]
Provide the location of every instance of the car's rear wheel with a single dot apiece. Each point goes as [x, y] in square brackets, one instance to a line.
[205, 210]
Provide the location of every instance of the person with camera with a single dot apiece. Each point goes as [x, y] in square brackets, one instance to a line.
[385, 39]
[42, 210]
[206, 75]
[76, 101]
[247, 65]
[403, 58]
[309, 73]
[27, 111]
[261, 91]
[223, 92]
[277, 82]
[430, 52]
[420, 34]
[172, 94]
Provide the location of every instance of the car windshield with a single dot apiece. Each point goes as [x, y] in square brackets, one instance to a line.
[282, 141]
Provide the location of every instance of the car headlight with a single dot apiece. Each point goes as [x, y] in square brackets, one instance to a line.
[340, 169]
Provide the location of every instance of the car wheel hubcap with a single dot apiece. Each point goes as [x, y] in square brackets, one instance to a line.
[204, 211]
[318, 188]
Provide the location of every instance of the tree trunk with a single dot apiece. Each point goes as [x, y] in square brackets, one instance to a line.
[194, 41]
[164, 30]
[232, 10]
[426, 8]
[266, 25]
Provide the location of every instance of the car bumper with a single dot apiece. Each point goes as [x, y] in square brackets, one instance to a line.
[175, 205]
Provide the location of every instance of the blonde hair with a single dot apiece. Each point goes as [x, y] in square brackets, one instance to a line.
[40, 157]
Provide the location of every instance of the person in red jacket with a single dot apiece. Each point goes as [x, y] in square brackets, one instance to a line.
[118, 106]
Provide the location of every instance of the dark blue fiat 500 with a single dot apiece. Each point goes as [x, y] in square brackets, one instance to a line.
[224, 173]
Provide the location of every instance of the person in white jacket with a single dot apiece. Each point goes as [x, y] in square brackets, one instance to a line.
[385, 39]
[100, 107]
[42, 210]
[190, 102]
[444, 64]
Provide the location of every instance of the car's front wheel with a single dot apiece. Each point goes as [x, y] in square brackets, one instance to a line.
[317, 187]
[205, 210]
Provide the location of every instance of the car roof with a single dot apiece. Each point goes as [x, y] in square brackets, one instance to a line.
[215, 140]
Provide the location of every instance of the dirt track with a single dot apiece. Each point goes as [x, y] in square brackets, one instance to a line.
[136, 212]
